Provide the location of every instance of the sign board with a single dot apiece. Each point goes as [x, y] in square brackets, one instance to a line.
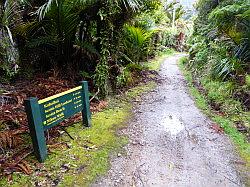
[49, 112]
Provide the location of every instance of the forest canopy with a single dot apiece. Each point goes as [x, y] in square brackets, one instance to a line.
[83, 39]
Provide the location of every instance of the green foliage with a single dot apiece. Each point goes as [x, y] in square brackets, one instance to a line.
[225, 67]
[127, 74]
[152, 18]
[101, 77]
[174, 11]
[221, 94]
[88, 155]
[219, 61]
[99, 38]
[125, 78]
[230, 19]
[247, 79]
[155, 64]
[183, 60]
[136, 42]
[218, 91]
[226, 22]
[214, 59]
[8, 52]
[168, 37]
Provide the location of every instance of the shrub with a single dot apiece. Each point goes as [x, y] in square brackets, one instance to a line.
[124, 78]
[247, 79]
[218, 91]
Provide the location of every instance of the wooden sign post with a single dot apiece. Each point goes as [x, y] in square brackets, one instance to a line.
[47, 113]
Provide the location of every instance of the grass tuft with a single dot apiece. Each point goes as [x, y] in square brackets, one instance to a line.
[155, 64]
[220, 93]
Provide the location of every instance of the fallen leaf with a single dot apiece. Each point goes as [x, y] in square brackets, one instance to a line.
[217, 128]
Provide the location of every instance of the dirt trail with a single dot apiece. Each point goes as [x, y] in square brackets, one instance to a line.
[171, 142]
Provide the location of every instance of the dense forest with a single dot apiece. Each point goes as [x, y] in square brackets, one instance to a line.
[219, 57]
[49, 46]
[94, 40]
[218, 66]
[220, 40]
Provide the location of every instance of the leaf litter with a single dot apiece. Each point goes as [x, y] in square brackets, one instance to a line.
[14, 125]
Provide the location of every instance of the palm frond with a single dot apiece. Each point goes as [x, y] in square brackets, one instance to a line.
[88, 47]
[45, 8]
[9, 13]
[43, 40]
[131, 4]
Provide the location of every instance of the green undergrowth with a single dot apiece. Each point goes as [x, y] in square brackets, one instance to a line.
[155, 63]
[1, 91]
[230, 111]
[80, 161]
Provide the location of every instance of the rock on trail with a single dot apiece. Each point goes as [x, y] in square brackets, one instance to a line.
[171, 142]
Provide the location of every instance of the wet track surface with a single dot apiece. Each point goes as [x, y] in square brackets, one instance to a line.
[171, 142]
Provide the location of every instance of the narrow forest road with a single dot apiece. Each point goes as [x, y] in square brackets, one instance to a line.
[171, 142]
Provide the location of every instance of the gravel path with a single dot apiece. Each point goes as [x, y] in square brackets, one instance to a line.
[171, 142]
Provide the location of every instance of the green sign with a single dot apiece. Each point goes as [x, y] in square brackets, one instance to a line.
[45, 114]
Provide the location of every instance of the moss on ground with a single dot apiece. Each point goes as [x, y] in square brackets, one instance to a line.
[137, 91]
[221, 93]
[80, 161]
[155, 64]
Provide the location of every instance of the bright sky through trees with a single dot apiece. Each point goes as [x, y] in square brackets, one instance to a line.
[187, 3]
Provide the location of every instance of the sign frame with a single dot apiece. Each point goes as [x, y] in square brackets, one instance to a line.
[35, 117]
